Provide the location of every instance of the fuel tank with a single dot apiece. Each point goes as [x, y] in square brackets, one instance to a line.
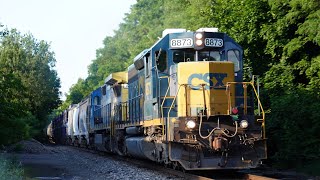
[140, 147]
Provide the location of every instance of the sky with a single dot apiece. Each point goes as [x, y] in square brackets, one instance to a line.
[74, 28]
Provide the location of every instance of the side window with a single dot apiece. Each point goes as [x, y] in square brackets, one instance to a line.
[234, 56]
[147, 66]
[96, 100]
[117, 90]
[104, 91]
[161, 60]
[88, 110]
[215, 56]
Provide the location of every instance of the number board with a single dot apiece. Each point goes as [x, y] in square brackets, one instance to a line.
[180, 43]
[213, 42]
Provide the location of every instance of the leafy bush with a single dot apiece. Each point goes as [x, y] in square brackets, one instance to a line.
[14, 129]
[294, 128]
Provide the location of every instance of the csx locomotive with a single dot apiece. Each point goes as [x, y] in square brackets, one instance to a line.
[182, 102]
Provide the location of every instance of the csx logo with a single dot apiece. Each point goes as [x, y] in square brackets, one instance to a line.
[208, 79]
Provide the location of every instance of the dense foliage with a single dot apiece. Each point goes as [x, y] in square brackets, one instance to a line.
[29, 86]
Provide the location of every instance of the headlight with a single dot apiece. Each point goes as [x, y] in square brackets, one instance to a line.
[244, 124]
[199, 42]
[199, 35]
[191, 124]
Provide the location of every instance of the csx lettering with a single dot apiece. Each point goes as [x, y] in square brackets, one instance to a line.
[207, 78]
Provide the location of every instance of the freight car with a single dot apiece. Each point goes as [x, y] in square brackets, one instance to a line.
[56, 130]
[182, 102]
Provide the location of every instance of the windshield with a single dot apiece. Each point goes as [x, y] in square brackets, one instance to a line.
[234, 56]
[185, 56]
[209, 56]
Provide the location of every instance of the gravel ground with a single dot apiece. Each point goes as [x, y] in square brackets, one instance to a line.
[70, 163]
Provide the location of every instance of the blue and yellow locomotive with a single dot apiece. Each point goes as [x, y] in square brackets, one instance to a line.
[182, 102]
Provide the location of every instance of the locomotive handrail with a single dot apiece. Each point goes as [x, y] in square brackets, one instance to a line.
[174, 99]
[165, 96]
[204, 100]
[245, 106]
[258, 87]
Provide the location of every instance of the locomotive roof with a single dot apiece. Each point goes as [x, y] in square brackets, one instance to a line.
[118, 77]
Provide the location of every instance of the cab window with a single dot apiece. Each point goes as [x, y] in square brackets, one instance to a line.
[161, 60]
[234, 56]
[183, 56]
[209, 56]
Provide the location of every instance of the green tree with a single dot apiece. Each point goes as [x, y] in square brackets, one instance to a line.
[243, 21]
[188, 14]
[140, 30]
[293, 37]
[77, 92]
[292, 82]
[29, 85]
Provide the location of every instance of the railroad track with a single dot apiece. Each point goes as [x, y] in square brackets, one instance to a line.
[188, 175]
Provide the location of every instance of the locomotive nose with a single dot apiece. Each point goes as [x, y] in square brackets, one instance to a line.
[205, 87]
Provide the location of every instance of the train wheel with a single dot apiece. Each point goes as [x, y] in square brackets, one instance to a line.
[175, 165]
[182, 169]
[167, 165]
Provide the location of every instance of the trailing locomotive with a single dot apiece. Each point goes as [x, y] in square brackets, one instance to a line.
[182, 102]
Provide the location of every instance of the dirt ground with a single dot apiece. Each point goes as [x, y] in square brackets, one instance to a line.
[52, 164]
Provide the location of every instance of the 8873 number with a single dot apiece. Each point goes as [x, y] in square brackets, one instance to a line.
[213, 42]
[186, 42]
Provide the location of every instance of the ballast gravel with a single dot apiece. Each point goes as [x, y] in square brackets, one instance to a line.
[71, 163]
[94, 166]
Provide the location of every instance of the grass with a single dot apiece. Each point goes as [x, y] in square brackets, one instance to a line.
[10, 169]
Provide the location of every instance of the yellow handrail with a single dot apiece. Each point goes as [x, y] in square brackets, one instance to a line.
[245, 96]
[259, 102]
[165, 96]
[204, 101]
[174, 99]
